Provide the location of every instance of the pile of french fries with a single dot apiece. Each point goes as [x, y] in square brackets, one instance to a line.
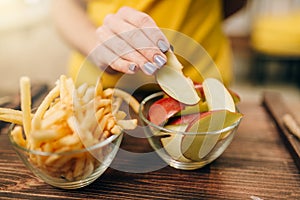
[69, 119]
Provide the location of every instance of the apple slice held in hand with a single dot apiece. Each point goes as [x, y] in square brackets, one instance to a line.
[161, 110]
[173, 82]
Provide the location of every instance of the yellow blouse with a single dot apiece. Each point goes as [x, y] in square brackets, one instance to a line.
[186, 24]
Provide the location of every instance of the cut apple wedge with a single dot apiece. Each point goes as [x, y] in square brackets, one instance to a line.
[217, 96]
[236, 98]
[195, 147]
[200, 107]
[172, 144]
[199, 88]
[173, 82]
[161, 110]
[184, 119]
[173, 61]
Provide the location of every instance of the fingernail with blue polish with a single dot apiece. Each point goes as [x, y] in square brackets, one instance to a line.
[159, 60]
[162, 46]
[132, 67]
[150, 68]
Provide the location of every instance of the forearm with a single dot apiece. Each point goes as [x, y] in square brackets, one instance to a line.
[74, 26]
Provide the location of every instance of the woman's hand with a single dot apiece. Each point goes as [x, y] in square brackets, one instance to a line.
[128, 41]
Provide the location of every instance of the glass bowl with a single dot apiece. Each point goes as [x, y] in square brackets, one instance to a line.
[69, 169]
[184, 150]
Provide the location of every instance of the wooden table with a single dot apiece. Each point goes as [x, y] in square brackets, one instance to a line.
[256, 165]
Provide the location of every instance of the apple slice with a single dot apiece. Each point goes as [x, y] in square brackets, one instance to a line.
[199, 88]
[184, 119]
[172, 144]
[195, 147]
[173, 82]
[161, 110]
[236, 98]
[200, 107]
[173, 61]
[217, 96]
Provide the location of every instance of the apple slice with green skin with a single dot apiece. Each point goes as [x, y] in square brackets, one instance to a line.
[196, 147]
[217, 98]
[200, 107]
[161, 110]
[235, 96]
[172, 144]
[173, 82]
[217, 95]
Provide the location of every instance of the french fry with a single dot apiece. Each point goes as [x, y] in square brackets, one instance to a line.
[116, 130]
[129, 124]
[12, 118]
[107, 93]
[9, 111]
[26, 104]
[54, 118]
[79, 167]
[69, 140]
[116, 104]
[89, 167]
[89, 95]
[82, 90]
[128, 99]
[120, 115]
[99, 103]
[99, 87]
[18, 136]
[66, 90]
[39, 114]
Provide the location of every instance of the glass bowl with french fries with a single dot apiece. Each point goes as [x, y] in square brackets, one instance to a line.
[189, 137]
[67, 167]
[72, 137]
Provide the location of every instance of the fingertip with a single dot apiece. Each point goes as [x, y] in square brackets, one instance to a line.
[163, 46]
[149, 68]
[160, 60]
[132, 68]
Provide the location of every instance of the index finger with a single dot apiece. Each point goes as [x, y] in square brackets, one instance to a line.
[146, 24]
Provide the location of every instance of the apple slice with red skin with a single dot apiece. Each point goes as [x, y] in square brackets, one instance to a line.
[161, 110]
[199, 89]
[184, 119]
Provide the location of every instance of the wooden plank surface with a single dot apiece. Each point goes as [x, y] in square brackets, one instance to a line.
[256, 164]
[277, 108]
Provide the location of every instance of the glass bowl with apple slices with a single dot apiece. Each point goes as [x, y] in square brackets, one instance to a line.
[189, 137]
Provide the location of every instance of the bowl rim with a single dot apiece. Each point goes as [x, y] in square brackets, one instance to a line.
[157, 94]
[44, 153]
